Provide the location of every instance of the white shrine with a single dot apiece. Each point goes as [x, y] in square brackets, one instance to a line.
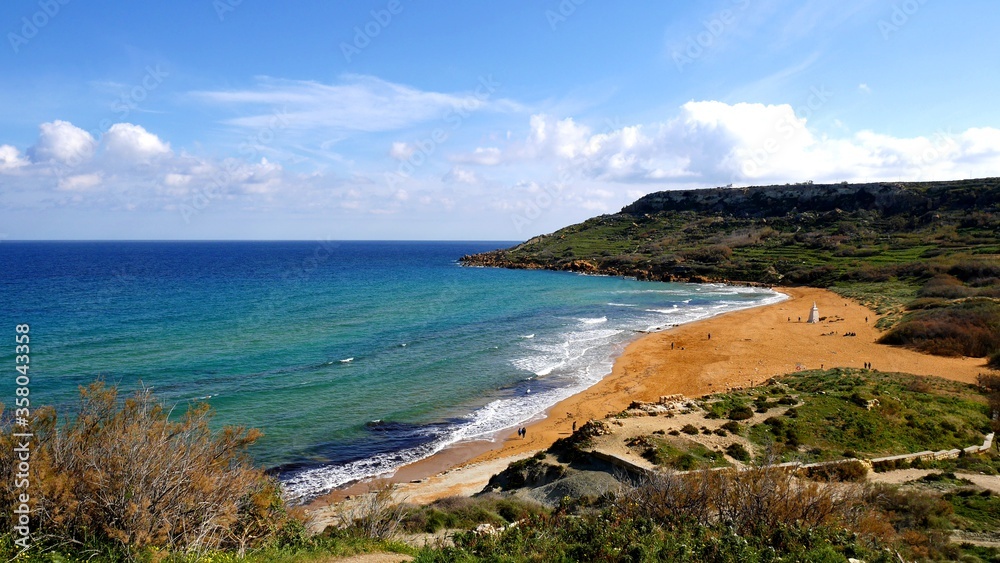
[814, 314]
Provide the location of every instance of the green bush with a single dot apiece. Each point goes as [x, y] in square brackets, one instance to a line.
[740, 413]
[738, 452]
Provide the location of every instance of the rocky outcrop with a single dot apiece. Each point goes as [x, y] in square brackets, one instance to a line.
[769, 201]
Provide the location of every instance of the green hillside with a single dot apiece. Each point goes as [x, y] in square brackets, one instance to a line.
[914, 251]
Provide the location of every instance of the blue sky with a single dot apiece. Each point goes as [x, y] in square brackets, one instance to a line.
[240, 119]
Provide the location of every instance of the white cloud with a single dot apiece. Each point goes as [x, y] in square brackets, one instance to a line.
[79, 182]
[174, 179]
[552, 171]
[354, 103]
[458, 175]
[712, 143]
[11, 158]
[864, 88]
[401, 150]
[485, 156]
[133, 142]
[64, 143]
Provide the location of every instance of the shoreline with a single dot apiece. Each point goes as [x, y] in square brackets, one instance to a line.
[746, 347]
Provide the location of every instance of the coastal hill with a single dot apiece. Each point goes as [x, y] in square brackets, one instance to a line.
[924, 254]
[803, 234]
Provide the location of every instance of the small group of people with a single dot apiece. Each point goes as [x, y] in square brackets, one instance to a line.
[522, 432]
[868, 365]
[850, 334]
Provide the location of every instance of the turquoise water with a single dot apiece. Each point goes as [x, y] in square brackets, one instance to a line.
[352, 357]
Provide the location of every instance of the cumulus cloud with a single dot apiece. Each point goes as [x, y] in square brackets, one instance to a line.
[401, 150]
[11, 158]
[486, 156]
[458, 175]
[79, 182]
[64, 143]
[712, 142]
[133, 142]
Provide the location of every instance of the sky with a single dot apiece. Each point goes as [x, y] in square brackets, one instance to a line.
[490, 120]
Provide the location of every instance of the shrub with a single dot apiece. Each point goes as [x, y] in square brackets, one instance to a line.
[738, 452]
[968, 328]
[123, 473]
[756, 501]
[689, 429]
[740, 413]
[995, 360]
[945, 286]
[844, 471]
[732, 427]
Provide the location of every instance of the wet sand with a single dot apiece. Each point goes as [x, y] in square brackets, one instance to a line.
[745, 348]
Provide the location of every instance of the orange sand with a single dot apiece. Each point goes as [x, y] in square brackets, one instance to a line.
[746, 348]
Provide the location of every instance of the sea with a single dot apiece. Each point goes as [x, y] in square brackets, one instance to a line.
[353, 358]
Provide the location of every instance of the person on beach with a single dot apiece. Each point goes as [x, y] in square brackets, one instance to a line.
[710, 336]
[671, 345]
[574, 426]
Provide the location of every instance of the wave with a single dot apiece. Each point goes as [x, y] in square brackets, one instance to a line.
[347, 360]
[565, 362]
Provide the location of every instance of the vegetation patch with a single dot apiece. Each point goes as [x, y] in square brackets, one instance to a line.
[874, 414]
[468, 512]
[533, 471]
[682, 455]
[965, 328]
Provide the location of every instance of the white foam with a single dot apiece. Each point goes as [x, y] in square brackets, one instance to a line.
[579, 358]
[347, 360]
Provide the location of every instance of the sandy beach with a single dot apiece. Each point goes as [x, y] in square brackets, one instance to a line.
[736, 349]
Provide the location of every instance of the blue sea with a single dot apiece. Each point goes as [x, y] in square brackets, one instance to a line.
[353, 357]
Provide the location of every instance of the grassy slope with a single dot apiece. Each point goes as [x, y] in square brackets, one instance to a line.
[882, 244]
